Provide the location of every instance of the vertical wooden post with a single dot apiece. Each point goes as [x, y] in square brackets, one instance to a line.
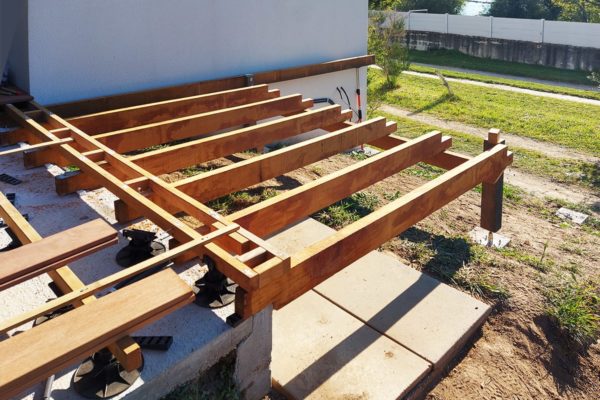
[492, 192]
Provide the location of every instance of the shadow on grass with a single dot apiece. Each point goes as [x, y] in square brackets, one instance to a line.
[449, 254]
[591, 172]
[442, 99]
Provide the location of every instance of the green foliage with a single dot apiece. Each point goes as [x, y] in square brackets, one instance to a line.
[578, 10]
[534, 9]
[575, 308]
[433, 6]
[595, 77]
[386, 42]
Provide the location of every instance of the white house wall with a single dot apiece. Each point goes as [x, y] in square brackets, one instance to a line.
[85, 48]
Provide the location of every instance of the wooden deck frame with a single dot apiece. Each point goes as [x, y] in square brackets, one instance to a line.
[236, 242]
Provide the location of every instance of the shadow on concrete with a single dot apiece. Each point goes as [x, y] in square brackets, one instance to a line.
[325, 367]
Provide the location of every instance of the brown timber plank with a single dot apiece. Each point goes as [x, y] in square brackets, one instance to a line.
[222, 181]
[54, 251]
[323, 259]
[130, 117]
[36, 354]
[302, 201]
[195, 125]
[125, 349]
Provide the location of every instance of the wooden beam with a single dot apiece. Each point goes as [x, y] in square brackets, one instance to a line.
[106, 103]
[321, 260]
[226, 263]
[130, 117]
[126, 350]
[202, 150]
[446, 160]
[213, 184]
[298, 203]
[50, 253]
[36, 354]
[112, 280]
[200, 124]
[228, 179]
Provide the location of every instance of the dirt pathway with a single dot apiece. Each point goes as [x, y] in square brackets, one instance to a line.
[535, 185]
[549, 149]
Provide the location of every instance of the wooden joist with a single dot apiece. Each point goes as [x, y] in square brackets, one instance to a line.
[298, 203]
[126, 350]
[213, 184]
[323, 259]
[144, 114]
[30, 357]
[54, 251]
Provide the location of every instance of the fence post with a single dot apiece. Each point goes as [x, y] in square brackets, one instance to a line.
[491, 27]
[447, 24]
[543, 29]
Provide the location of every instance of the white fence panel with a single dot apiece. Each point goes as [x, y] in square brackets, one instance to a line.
[529, 30]
[572, 33]
[427, 22]
[470, 26]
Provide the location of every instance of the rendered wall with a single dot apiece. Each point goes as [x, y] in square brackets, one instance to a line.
[85, 48]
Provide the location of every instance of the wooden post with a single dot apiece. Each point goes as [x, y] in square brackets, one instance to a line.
[492, 191]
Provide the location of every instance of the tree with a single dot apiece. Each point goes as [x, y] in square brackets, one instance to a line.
[386, 42]
[579, 10]
[534, 9]
[432, 6]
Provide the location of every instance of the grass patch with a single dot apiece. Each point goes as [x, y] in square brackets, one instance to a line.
[560, 170]
[568, 124]
[349, 210]
[452, 259]
[539, 262]
[452, 58]
[239, 200]
[541, 87]
[574, 307]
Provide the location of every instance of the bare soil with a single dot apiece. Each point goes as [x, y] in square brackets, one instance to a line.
[520, 353]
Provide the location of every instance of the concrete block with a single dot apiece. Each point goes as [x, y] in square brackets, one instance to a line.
[322, 352]
[422, 314]
[252, 368]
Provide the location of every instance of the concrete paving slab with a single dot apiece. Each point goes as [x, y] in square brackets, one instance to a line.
[574, 216]
[426, 316]
[322, 352]
[482, 237]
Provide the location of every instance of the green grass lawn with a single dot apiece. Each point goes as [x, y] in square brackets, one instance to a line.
[589, 94]
[456, 59]
[569, 124]
[533, 162]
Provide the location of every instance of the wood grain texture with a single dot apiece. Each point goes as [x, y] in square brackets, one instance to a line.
[323, 259]
[295, 204]
[52, 252]
[127, 351]
[44, 350]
